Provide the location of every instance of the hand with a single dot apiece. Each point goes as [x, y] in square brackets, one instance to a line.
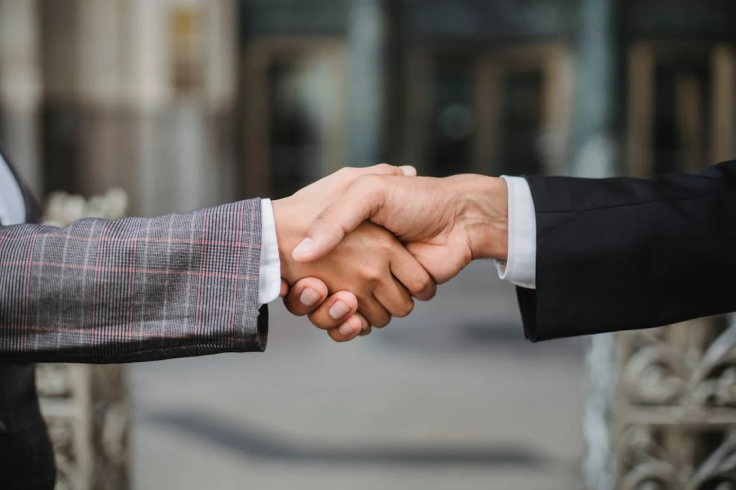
[309, 296]
[444, 223]
[472, 224]
[370, 262]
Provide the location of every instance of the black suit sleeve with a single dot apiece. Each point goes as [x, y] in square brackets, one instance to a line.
[621, 254]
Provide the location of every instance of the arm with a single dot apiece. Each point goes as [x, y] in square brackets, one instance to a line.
[611, 254]
[188, 284]
[619, 254]
[133, 289]
[444, 223]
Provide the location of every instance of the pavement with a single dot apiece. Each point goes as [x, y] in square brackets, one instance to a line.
[451, 397]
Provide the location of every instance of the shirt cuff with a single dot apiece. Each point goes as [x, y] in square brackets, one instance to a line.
[520, 268]
[269, 280]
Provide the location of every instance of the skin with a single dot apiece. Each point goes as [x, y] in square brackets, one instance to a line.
[380, 285]
[445, 223]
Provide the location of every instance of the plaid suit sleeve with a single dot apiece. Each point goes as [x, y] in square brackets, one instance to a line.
[134, 289]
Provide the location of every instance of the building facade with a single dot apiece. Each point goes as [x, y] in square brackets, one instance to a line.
[190, 103]
[186, 103]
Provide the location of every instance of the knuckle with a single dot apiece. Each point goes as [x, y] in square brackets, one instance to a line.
[387, 242]
[337, 337]
[292, 305]
[370, 188]
[382, 321]
[366, 181]
[427, 287]
[405, 308]
[384, 168]
[382, 247]
[370, 275]
[297, 311]
[423, 286]
[320, 321]
[348, 171]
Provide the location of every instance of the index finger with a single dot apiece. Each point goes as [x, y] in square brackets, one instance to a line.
[358, 204]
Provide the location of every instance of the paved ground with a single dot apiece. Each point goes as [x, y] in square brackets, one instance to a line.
[450, 398]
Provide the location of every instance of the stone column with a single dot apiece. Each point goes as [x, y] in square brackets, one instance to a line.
[101, 93]
[181, 132]
[86, 407]
[597, 107]
[595, 152]
[20, 87]
[367, 30]
[661, 409]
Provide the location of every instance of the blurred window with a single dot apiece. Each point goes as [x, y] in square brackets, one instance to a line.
[453, 117]
[497, 111]
[680, 113]
[681, 116]
[294, 118]
[187, 48]
[60, 114]
[294, 135]
[521, 122]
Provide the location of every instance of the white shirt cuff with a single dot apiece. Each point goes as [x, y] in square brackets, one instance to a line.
[269, 283]
[520, 268]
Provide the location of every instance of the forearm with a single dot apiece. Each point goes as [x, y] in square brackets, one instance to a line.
[134, 289]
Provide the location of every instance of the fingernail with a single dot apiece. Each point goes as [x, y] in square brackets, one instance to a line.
[345, 329]
[304, 247]
[339, 310]
[408, 170]
[309, 297]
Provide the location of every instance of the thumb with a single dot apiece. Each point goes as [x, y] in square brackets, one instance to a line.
[359, 203]
[384, 169]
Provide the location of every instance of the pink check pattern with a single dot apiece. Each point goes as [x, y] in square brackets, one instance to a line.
[133, 289]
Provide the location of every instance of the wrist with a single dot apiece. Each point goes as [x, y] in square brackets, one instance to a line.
[484, 216]
[288, 235]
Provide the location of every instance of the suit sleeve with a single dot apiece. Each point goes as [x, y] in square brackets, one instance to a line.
[134, 289]
[621, 254]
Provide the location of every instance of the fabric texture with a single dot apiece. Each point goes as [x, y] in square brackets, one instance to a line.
[269, 285]
[134, 289]
[520, 266]
[117, 291]
[622, 253]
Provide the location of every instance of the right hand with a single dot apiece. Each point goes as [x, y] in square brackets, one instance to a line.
[370, 263]
[446, 222]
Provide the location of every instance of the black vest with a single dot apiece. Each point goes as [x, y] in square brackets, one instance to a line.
[26, 455]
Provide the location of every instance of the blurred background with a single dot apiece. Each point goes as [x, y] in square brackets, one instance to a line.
[191, 103]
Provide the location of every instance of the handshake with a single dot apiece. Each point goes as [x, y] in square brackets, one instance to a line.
[358, 246]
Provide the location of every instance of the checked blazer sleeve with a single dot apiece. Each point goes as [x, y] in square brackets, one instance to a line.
[134, 289]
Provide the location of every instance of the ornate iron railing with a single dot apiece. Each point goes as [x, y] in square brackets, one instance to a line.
[86, 406]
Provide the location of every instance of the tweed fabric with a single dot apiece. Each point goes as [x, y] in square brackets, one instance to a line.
[117, 291]
[134, 289]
